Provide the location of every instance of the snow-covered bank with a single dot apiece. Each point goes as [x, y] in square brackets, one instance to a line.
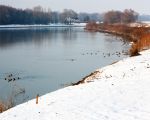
[40, 25]
[120, 91]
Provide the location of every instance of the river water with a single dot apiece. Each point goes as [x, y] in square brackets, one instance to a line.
[47, 59]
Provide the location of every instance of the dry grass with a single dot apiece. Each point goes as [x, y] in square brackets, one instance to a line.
[88, 78]
[92, 26]
[139, 35]
[144, 42]
[2, 107]
[6, 105]
[134, 51]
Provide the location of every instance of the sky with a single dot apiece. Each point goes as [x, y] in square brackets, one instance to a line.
[140, 6]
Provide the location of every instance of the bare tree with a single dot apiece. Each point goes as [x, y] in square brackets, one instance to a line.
[127, 16]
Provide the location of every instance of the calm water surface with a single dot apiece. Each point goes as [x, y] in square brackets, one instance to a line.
[46, 59]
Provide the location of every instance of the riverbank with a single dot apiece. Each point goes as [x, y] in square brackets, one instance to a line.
[137, 33]
[115, 92]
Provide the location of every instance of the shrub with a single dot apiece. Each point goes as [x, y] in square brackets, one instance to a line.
[144, 42]
[2, 107]
[6, 105]
[140, 35]
[92, 26]
[134, 50]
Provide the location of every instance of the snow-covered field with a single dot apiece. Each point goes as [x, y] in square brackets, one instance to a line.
[120, 91]
[41, 25]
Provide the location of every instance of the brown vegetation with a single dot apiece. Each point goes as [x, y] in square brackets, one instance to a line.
[92, 26]
[2, 107]
[88, 78]
[6, 105]
[144, 42]
[139, 35]
[134, 51]
[127, 16]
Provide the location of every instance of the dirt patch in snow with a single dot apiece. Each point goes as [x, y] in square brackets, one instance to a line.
[89, 78]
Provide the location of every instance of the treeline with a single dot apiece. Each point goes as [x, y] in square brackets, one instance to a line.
[127, 16]
[9, 15]
[38, 15]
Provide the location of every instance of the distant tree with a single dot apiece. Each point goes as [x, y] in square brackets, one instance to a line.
[68, 13]
[9, 15]
[38, 15]
[38, 9]
[112, 17]
[127, 16]
[95, 17]
[81, 16]
[54, 17]
[86, 19]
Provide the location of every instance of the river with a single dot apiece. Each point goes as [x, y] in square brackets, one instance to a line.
[46, 59]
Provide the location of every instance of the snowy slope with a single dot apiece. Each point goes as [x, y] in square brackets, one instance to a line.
[120, 91]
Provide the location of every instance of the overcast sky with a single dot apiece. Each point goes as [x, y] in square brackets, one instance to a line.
[141, 6]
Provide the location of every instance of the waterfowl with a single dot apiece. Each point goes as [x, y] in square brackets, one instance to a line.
[10, 75]
[9, 80]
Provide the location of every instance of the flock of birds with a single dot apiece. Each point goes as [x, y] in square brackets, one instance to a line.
[117, 53]
[107, 54]
[11, 77]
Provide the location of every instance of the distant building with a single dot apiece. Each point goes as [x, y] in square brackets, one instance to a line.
[69, 20]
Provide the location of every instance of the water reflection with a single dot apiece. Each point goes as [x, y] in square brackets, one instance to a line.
[10, 37]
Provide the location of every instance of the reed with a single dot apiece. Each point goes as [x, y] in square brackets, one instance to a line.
[139, 35]
[6, 105]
